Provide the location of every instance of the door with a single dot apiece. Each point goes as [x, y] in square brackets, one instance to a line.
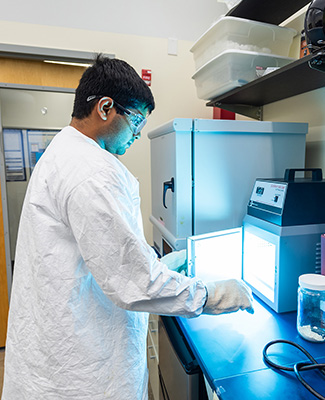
[4, 304]
[171, 179]
[5, 268]
[26, 135]
[29, 120]
[178, 369]
[22, 150]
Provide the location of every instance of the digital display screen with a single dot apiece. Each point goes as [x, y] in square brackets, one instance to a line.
[269, 195]
[259, 190]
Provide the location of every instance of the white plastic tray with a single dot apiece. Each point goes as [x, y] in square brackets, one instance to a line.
[232, 69]
[232, 33]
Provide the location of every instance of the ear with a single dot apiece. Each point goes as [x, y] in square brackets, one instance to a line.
[103, 107]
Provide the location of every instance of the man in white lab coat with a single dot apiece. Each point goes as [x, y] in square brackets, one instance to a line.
[84, 277]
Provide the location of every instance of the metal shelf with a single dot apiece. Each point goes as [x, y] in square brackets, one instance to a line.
[272, 12]
[288, 81]
[291, 80]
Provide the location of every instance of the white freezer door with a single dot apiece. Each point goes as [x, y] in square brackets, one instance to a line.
[171, 179]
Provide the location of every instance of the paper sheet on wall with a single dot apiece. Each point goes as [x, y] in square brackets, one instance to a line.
[14, 156]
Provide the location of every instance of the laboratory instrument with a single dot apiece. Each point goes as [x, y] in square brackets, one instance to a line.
[314, 25]
[202, 172]
[282, 236]
[315, 34]
[215, 256]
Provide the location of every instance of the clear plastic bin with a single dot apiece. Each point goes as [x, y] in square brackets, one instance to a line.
[233, 69]
[232, 33]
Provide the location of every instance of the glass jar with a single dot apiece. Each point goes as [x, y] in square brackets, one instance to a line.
[311, 307]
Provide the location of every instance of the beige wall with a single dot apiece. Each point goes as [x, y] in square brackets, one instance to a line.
[172, 86]
[308, 107]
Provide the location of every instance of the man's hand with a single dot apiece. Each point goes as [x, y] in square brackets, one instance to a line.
[228, 296]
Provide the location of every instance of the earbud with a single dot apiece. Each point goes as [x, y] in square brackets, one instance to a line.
[105, 104]
[103, 112]
[103, 108]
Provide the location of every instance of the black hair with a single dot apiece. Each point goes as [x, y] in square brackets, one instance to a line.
[113, 78]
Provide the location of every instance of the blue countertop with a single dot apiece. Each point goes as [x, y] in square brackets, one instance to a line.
[229, 350]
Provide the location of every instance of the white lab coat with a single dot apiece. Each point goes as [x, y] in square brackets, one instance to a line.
[84, 281]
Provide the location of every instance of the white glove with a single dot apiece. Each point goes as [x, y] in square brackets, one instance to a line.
[228, 296]
[175, 261]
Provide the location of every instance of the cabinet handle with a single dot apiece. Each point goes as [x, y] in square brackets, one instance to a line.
[167, 185]
[151, 357]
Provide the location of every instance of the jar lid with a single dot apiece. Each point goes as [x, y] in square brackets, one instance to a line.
[312, 281]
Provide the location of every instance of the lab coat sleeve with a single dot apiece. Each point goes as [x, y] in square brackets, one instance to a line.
[104, 218]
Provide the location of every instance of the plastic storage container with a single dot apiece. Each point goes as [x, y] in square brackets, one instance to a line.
[311, 307]
[232, 33]
[233, 69]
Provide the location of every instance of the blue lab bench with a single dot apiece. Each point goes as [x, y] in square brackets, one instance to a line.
[229, 350]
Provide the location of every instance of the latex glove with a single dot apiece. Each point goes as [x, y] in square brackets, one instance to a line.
[228, 296]
[175, 261]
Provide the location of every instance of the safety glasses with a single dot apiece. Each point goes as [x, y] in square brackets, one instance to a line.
[136, 120]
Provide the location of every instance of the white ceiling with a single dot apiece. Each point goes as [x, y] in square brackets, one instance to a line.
[179, 19]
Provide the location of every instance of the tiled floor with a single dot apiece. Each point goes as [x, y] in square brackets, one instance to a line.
[2, 356]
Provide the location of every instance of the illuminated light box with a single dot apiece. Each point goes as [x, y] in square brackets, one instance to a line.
[215, 256]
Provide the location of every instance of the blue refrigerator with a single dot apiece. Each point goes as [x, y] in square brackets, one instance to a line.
[203, 172]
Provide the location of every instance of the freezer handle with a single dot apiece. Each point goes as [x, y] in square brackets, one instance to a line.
[167, 185]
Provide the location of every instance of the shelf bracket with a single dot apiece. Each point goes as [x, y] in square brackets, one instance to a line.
[243, 109]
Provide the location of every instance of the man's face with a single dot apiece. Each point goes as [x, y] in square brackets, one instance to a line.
[119, 136]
